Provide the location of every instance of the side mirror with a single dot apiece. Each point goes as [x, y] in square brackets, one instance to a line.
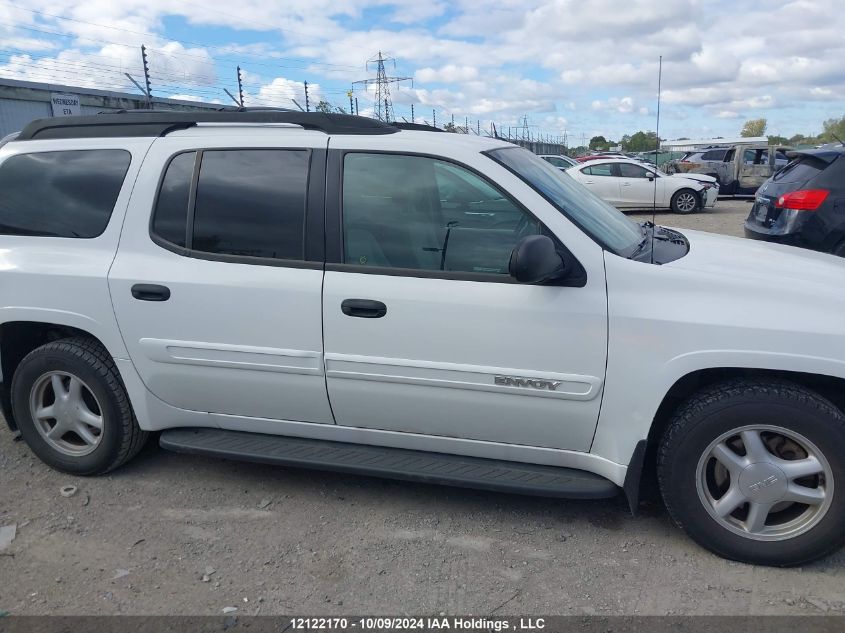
[535, 260]
[650, 178]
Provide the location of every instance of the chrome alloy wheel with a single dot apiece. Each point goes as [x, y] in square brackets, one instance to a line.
[66, 413]
[765, 483]
[686, 202]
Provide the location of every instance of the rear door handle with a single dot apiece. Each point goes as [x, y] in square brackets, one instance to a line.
[363, 308]
[150, 292]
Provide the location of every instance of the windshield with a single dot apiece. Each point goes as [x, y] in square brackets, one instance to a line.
[604, 223]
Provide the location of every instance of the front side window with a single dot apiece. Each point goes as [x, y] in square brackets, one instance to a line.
[604, 223]
[248, 203]
[61, 194]
[421, 213]
[627, 170]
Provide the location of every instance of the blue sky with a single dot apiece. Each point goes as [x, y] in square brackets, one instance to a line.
[574, 66]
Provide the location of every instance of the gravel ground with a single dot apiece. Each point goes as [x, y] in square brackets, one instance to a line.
[170, 534]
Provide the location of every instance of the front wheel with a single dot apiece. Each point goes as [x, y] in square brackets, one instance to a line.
[685, 201]
[755, 472]
[72, 408]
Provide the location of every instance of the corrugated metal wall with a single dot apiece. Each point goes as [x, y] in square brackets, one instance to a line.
[15, 114]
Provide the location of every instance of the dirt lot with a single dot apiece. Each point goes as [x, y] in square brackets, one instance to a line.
[170, 534]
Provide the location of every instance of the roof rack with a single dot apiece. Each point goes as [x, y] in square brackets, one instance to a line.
[404, 125]
[162, 122]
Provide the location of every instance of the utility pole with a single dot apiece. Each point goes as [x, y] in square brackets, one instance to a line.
[356, 106]
[412, 113]
[147, 76]
[382, 83]
[351, 107]
[466, 125]
[478, 127]
[434, 117]
[307, 104]
[240, 88]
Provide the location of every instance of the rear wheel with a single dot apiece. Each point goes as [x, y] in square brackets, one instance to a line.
[72, 408]
[685, 201]
[749, 470]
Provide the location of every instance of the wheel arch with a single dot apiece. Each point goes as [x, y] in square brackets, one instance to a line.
[19, 338]
[643, 475]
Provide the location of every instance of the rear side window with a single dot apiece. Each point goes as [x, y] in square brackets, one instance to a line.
[714, 154]
[61, 194]
[171, 214]
[605, 169]
[248, 203]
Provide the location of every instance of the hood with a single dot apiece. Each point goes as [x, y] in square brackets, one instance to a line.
[762, 264]
[698, 177]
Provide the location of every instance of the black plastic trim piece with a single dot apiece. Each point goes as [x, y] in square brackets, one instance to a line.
[577, 278]
[160, 123]
[634, 475]
[363, 308]
[391, 463]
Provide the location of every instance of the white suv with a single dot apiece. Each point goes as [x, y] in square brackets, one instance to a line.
[332, 292]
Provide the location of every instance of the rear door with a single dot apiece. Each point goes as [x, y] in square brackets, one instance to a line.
[754, 169]
[218, 296]
[602, 179]
[425, 331]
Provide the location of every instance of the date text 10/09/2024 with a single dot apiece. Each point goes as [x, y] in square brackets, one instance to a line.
[441, 623]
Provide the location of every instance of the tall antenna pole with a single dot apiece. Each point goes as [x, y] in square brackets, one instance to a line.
[356, 106]
[240, 88]
[412, 113]
[657, 143]
[307, 103]
[147, 76]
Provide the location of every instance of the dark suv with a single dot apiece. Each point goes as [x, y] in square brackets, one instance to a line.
[803, 204]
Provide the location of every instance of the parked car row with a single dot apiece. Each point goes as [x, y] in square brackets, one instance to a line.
[739, 169]
[629, 183]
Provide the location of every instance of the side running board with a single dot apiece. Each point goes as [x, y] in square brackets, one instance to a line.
[391, 463]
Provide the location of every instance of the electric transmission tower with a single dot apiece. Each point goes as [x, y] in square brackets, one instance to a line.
[383, 102]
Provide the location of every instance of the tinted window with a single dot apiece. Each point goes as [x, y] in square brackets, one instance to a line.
[599, 170]
[628, 170]
[422, 213]
[61, 194]
[604, 223]
[251, 203]
[801, 169]
[171, 213]
[557, 162]
[714, 154]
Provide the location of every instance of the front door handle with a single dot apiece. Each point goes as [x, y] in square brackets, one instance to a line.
[150, 292]
[363, 308]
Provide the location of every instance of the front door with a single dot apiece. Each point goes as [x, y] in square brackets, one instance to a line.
[425, 331]
[216, 298]
[639, 187]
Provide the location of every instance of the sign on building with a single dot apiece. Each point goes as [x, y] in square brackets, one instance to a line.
[65, 104]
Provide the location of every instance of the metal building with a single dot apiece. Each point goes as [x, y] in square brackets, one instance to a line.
[23, 101]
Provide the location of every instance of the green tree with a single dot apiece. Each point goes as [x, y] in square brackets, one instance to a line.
[327, 108]
[754, 127]
[640, 142]
[599, 142]
[774, 139]
[834, 129]
[450, 127]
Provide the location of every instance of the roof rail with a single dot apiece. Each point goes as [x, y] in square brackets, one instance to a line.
[162, 122]
[404, 125]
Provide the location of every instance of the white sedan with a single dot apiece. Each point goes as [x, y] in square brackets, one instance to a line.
[626, 183]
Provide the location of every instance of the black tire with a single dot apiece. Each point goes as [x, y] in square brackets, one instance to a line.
[679, 197]
[731, 405]
[121, 437]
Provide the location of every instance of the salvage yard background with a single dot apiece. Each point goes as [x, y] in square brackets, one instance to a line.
[173, 534]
